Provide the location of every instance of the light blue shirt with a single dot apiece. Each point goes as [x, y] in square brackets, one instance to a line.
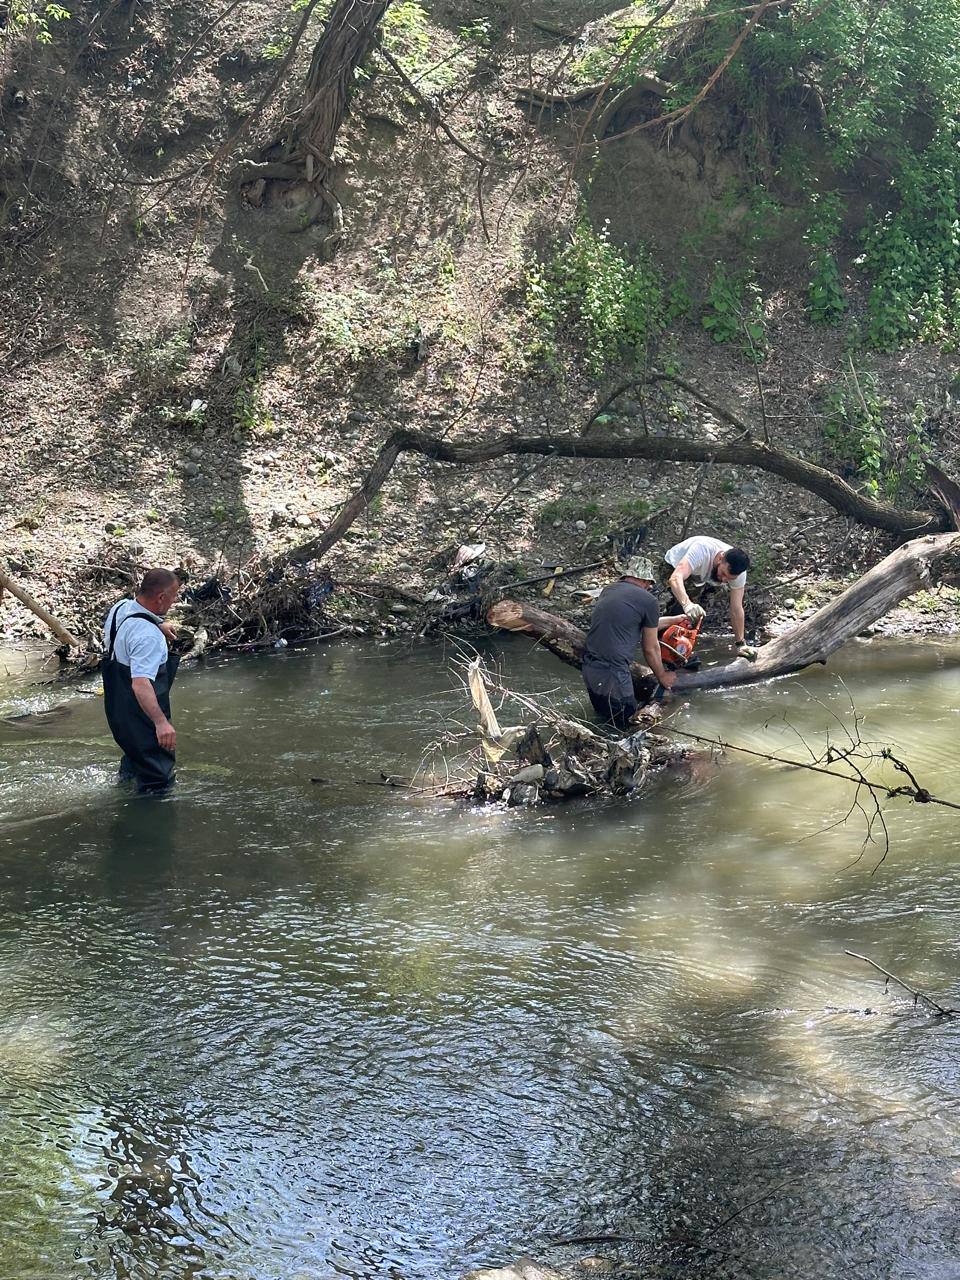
[140, 645]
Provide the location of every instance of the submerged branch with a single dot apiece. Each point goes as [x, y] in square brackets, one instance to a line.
[892, 977]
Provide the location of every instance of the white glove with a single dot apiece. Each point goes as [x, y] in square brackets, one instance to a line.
[747, 651]
[694, 612]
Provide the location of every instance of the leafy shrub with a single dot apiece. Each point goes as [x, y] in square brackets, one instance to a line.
[855, 432]
[159, 363]
[734, 311]
[32, 20]
[609, 305]
[825, 291]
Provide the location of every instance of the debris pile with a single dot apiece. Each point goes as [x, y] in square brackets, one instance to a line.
[554, 758]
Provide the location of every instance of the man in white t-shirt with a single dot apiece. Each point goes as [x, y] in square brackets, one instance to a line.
[138, 670]
[703, 561]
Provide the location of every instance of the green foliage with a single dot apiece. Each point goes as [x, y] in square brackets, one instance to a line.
[251, 413]
[825, 291]
[567, 510]
[627, 54]
[724, 306]
[592, 294]
[858, 439]
[424, 53]
[192, 415]
[278, 42]
[361, 326]
[159, 362]
[764, 216]
[883, 81]
[733, 311]
[599, 518]
[634, 510]
[476, 33]
[913, 253]
[31, 20]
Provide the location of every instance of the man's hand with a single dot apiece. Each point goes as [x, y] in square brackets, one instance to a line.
[747, 651]
[668, 679]
[170, 631]
[167, 735]
[695, 612]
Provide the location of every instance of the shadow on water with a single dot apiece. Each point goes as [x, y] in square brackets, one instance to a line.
[268, 1029]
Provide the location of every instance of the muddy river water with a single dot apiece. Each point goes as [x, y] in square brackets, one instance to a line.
[270, 1030]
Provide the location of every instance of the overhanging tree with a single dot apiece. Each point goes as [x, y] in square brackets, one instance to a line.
[295, 170]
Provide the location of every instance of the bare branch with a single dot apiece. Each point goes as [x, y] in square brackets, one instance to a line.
[892, 977]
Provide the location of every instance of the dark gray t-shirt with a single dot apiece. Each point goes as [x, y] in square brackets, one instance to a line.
[619, 616]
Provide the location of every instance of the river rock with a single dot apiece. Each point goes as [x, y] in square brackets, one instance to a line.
[520, 793]
[531, 773]
[524, 1269]
[191, 470]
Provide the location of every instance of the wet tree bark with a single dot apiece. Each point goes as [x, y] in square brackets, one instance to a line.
[921, 564]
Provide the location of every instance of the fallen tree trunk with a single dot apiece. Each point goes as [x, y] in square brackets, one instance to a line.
[58, 629]
[662, 448]
[917, 565]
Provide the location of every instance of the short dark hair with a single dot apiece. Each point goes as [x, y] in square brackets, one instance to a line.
[737, 559]
[156, 580]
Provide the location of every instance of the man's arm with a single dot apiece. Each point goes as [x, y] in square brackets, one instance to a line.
[677, 584]
[145, 694]
[651, 651]
[677, 580]
[737, 620]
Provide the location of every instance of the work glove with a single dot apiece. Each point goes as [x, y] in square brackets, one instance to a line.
[747, 651]
[694, 612]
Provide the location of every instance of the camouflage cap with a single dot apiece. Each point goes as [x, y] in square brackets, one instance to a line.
[639, 567]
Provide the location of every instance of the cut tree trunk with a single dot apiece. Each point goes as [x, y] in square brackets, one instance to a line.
[917, 565]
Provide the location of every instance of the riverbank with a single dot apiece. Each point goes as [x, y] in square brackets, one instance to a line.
[185, 385]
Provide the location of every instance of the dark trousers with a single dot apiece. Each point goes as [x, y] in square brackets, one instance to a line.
[611, 691]
[153, 771]
[613, 710]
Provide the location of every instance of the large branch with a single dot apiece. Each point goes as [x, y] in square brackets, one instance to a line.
[744, 453]
[920, 564]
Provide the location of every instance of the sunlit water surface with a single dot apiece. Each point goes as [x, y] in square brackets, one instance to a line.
[270, 1030]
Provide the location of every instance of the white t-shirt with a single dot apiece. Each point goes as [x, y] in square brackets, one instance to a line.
[699, 554]
[140, 645]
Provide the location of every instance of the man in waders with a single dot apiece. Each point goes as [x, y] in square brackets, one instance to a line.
[138, 671]
[625, 615]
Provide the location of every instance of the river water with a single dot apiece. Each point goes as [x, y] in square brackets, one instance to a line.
[272, 1030]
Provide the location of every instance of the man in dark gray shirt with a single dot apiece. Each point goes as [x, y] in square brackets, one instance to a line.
[625, 615]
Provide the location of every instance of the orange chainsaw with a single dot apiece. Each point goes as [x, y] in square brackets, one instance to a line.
[677, 643]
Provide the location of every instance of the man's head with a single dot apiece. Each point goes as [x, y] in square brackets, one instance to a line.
[639, 569]
[158, 590]
[730, 564]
